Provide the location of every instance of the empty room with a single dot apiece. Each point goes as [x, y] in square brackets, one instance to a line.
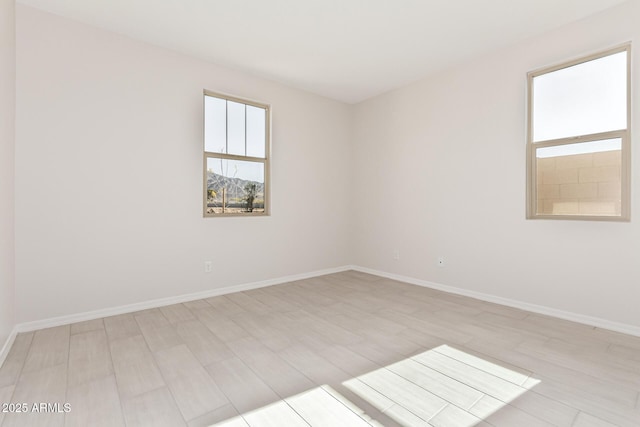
[319, 213]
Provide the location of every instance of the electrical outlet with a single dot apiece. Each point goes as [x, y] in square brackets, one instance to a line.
[440, 261]
[396, 254]
[208, 266]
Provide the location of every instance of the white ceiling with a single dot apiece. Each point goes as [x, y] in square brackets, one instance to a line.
[348, 50]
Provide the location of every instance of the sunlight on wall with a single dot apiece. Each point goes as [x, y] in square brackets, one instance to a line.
[442, 386]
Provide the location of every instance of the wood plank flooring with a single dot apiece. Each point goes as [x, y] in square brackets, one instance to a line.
[347, 349]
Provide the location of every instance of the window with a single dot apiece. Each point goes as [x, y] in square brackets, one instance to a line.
[578, 138]
[236, 156]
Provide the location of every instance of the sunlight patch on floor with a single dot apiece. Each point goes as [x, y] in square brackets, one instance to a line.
[321, 406]
[443, 386]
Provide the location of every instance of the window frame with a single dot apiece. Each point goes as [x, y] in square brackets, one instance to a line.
[623, 134]
[266, 161]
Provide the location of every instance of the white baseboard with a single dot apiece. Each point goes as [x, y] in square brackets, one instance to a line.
[566, 315]
[113, 311]
[7, 345]
[80, 317]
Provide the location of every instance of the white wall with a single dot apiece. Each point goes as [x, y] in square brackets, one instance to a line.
[109, 175]
[440, 171]
[108, 179]
[7, 138]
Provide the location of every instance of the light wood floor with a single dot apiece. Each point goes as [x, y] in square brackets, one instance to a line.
[347, 349]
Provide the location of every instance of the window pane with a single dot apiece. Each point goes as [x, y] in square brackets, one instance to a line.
[580, 179]
[234, 186]
[215, 122]
[235, 128]
[256, 131]
[587, 98]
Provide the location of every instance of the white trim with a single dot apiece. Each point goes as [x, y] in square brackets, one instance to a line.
[65, 320]
[113, 311]
[561, 314]
[7, 345]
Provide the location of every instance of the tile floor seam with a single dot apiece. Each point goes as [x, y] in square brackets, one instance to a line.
[164, 380]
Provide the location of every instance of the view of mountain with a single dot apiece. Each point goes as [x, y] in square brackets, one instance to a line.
[234, 186]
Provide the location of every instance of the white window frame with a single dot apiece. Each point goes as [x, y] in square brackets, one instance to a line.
[623, 134]
[265, 161]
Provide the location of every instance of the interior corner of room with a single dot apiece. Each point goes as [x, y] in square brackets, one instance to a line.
[424, 184]
[101, 195]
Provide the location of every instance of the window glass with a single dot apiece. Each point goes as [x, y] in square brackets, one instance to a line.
[215, 127]
[583, 99]
[256, 130]
[236, 185]
[236, 163]
[580, 179]
[578, 148]
[236, 128]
